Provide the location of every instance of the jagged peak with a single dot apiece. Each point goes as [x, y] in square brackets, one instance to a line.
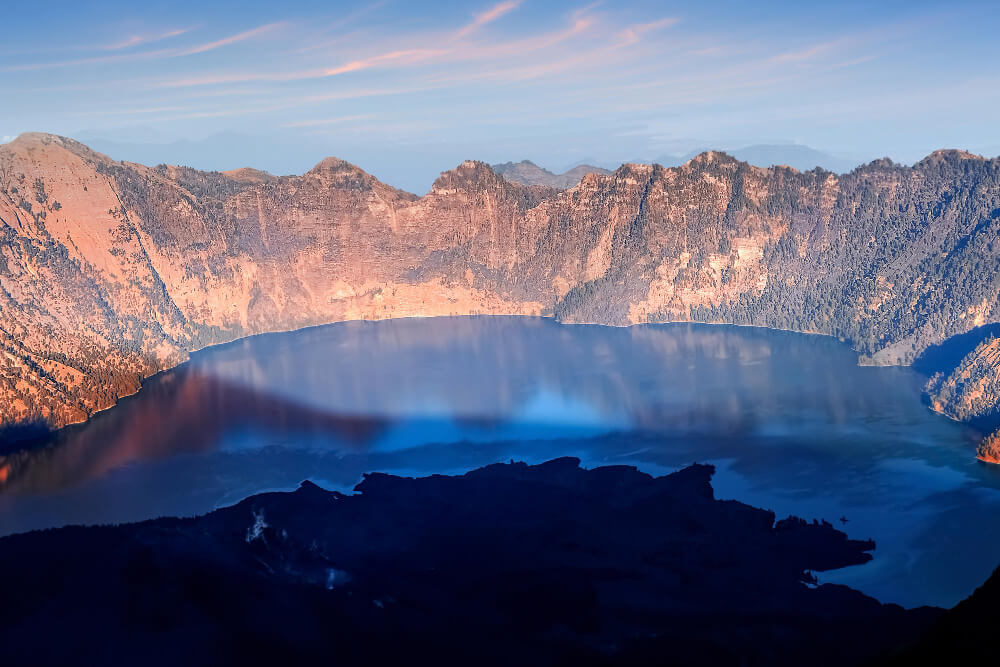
[469, 175]
[475, 165]
[636, 168]
[333, 170]
[633, 170]
[511, 163]
[711, 157]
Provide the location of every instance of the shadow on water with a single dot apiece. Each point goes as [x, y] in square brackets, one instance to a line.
[23, 435]
[185, 411]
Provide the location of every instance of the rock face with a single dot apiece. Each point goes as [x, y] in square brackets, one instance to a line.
[112, 271]
[989, 449]
[526, 172]
[508, 564]
[972, 390]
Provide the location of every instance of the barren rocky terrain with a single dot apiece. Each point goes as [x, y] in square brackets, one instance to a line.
[112, 271]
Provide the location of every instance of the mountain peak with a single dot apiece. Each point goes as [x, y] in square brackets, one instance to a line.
[527, 172]
[469, 175]
[949, 155]
[30, 142]
[711, 157]
[333, 164]
[249, 175]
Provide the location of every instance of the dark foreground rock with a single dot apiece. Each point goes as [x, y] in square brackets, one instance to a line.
[964, 635]
[509, 564]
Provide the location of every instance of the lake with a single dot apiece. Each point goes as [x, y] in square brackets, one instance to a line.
[790, 420]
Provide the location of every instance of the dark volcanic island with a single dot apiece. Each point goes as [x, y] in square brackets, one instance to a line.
[509, 564]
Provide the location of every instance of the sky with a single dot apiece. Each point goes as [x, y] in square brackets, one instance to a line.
[407, 89]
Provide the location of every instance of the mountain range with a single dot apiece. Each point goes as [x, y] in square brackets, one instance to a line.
[529, 173]
[798, 156]
[111, 271]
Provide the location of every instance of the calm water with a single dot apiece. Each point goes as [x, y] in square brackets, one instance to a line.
[791, 421]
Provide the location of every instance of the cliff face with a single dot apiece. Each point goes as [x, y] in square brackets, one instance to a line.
[971, 390]
[112, 271]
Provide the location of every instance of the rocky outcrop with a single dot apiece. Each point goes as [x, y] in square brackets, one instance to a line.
[971, 391]
[526, 172]
[112, 271]
[508, 564]
[989, 449]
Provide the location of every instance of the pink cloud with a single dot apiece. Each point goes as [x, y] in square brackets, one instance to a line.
[249, 34]
[634, 33]
[489, 16]
[136, 40]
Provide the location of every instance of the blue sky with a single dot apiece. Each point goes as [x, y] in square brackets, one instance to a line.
[407, 89]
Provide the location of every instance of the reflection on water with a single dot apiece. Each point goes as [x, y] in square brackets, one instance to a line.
[790, 420]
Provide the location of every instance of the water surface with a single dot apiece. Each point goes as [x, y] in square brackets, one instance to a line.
[791, 421]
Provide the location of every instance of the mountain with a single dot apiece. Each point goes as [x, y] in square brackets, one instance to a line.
[796, 156]
[111, 271]
[529, 173]
[509, 564]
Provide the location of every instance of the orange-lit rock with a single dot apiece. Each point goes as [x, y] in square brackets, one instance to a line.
[989, 449]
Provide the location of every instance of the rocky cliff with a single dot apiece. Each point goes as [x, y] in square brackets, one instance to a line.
[989, 449]
[112, 271]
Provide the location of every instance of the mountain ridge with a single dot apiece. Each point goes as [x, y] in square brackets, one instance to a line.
[529, 173]
[112, 271]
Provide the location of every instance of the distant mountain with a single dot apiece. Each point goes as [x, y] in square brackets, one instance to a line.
[797, 156]
[112, 271]
[214, 153]
[529, 173]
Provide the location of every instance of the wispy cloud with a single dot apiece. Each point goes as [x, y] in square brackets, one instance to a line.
[137, 56]
[808, 53]
[406, 57]
[136, 40]
[489, 16]
[233, 39]
[591, 62]
[91, 60]
[634, 33]
[130, 112]
[329, 121]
